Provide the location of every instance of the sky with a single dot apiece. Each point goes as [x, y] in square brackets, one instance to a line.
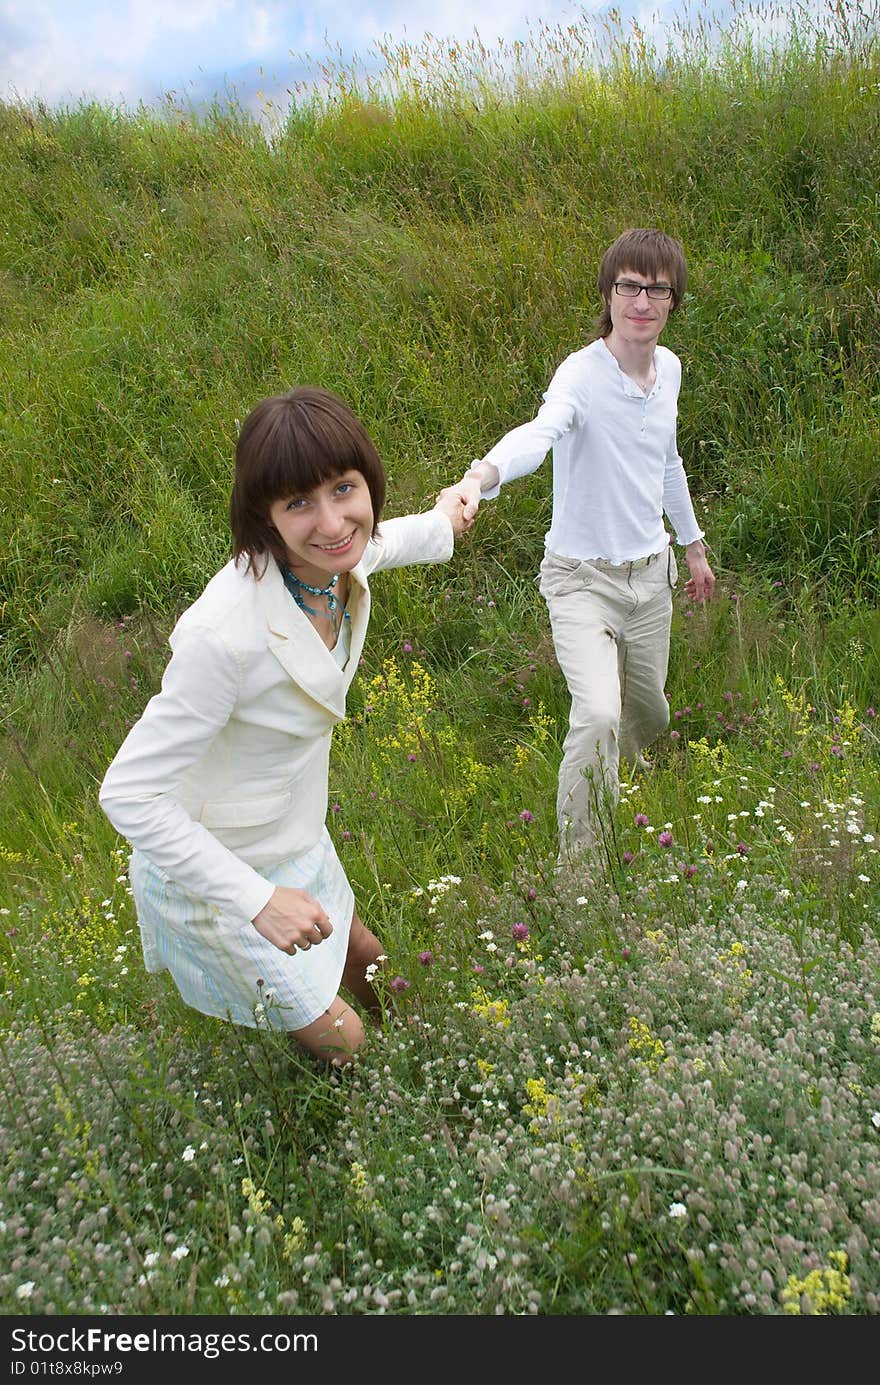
[131, 52]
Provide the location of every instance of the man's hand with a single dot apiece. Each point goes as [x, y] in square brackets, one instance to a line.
[701, 583]
[481, 476]
[293, 919]
[469, 488]
[453, 503]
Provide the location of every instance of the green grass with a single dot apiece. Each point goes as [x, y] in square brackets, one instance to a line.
[664, 1095]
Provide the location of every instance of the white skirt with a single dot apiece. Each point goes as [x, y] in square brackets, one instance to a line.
[220, 963]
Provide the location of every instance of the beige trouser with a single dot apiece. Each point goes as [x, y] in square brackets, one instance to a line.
[610, 627]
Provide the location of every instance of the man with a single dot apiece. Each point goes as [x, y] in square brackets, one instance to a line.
[608, 572]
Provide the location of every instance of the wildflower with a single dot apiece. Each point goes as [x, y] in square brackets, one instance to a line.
[407, 647]
[821, 1291]
[150, 1259]
[627, 857]
[875, 1120]
[641, 819]
[526, 816]
[677, 1209]
[742, 849]
[665, 839]
[25, 1290]
[426, 958]
[188, 1154]
[399, 984]
[520, 931]
[180, 1252]
[495, 1010]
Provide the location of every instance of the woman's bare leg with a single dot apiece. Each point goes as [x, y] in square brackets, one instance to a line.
[364, 948]
[335, 1036]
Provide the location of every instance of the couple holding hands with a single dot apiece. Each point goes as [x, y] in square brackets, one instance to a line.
[221, 786]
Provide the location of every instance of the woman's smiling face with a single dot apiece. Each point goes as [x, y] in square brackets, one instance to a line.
[325, 530]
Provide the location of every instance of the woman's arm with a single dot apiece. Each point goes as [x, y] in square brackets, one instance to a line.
[199, 691]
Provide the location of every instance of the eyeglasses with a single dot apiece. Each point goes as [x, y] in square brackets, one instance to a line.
[627, 289]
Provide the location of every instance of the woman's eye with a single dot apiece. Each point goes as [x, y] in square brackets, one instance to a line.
[297, 502]
[344, 487]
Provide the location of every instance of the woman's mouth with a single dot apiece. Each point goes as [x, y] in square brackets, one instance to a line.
[338, 547]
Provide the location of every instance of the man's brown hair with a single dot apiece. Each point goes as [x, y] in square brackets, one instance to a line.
[647, 252]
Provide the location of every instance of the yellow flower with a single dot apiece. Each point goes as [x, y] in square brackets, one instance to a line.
[295, 1239]
[360, 1187]
[645, 1045]
[822, 1291]
[497, 1011]
[257, 1198]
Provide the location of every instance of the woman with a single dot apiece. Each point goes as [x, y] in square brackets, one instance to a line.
[221, 786]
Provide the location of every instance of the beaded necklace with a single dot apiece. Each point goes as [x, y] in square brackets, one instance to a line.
[296, 586]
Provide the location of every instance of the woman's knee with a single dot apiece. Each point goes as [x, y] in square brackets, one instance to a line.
[335, 1036]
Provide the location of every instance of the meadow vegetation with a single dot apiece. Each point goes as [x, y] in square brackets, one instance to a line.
[656, 1092]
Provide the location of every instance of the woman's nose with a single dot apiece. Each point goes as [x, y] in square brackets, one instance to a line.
[329, 519]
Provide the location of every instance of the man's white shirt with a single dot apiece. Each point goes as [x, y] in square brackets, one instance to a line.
[616, 465]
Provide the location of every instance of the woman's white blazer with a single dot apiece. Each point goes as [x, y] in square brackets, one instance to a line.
[226, 772]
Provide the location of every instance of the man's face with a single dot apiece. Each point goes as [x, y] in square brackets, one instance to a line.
[639, 320]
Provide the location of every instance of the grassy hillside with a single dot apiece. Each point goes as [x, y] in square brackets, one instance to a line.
[665, 1094]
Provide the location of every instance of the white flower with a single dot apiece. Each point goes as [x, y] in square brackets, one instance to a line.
[582, 899]
[742, 885]
[180, 1252]
[188, 1154]
[875, 1121]
[487, 936]
[865, 879]
[25, 1290]
[677, 1209]
[151, 1258]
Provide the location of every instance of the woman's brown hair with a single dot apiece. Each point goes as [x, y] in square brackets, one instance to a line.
[289, 444]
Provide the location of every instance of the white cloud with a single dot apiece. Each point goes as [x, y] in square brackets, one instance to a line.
[59, 50]
[260, 34]
[132, 50]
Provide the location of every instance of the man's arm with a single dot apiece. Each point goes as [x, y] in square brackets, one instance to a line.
[524, 448]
